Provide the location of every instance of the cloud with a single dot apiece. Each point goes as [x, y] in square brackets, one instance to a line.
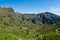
[55, 9]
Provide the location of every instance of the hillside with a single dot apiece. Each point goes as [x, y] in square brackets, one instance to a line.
[8, 14]
[17, 26]
[41, 18]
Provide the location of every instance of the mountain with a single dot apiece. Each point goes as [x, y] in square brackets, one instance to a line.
[18, 26]
[7, 15]
[40, 18]
[27, 21]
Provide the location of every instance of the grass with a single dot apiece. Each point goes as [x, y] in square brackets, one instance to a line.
[12, 32]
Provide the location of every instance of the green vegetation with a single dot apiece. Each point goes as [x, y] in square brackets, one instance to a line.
[12, 27]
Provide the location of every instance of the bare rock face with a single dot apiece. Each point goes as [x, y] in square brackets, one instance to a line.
[8, 16]
[6, 10]
[10, 10]
[44, 18]
[49, 18]
[40, 18]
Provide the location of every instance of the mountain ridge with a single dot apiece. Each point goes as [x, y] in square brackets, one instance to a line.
[50, 18]
[39, 18]
[14, 26]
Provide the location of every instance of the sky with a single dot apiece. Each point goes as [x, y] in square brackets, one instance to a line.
[32, 6]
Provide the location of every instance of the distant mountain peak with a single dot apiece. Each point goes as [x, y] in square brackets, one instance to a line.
[44, 18]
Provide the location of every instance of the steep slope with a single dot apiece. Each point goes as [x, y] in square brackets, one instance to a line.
[17, 26]
[8, 16]
[41, 18]
[49, 18]
[10, 25]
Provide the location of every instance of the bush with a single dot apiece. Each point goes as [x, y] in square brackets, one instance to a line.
[52, 36]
